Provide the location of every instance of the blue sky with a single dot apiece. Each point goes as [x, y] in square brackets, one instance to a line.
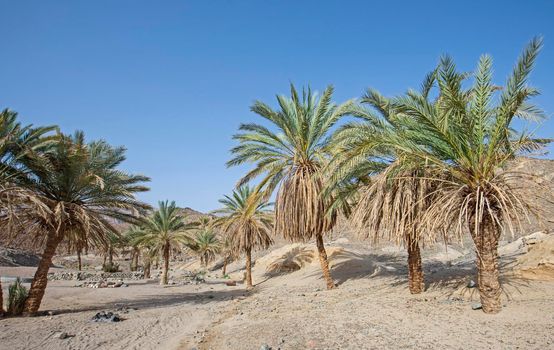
[172, 80]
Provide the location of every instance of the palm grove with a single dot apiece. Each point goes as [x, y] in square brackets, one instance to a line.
[429, 164]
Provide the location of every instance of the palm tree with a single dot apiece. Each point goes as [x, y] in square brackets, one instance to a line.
[227, 252]
[247, 221]
[131, 240]
[464, 139]
[72, 190]
[205, 245]
[392, 203]
[291, 158]
[16, 141]
[163, 231]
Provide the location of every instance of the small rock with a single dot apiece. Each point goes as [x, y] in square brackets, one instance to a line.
[62, 335]
[471, 284]
[231, 283]
[476, 306]
[265, 347]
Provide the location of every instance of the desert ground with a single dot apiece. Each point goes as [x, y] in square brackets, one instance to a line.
[290, 309]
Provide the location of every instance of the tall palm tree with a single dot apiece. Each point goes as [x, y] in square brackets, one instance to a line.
[16, 142]
[247, 220]
[465, 139]
[73, 190]
[206, 245]
[291, 158]
[392, 203]
[163, 231]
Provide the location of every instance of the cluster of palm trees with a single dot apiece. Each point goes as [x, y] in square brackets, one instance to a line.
[413, 168]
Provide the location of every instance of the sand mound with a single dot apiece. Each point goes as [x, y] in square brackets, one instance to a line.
[293, 257]
[538, 262]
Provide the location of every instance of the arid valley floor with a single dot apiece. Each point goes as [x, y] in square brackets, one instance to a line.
[371, 308]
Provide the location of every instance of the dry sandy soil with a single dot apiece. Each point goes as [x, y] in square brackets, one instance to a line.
[371, 308]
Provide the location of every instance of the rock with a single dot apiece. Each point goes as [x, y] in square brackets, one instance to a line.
[265, 347]
[106, 317]
[471, 284]
[231, 283]
[62, 335]
[476, 306]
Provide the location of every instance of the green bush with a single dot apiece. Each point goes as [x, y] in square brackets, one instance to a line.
[17, 294]
[110, 267]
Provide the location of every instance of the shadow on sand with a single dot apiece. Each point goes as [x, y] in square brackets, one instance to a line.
[159, 301]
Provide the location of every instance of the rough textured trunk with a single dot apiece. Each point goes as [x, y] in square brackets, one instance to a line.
[110, 255]
[40, 280]
[165, 267]
[136, 259]
[415, 271]
[249, 268]
[1, 301]
[79, 262]
[146, 268]
[487, 268]
[224, 272]
[324, 262]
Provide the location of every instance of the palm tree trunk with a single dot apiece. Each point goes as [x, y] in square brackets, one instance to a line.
[224, 272]
[165, 267]
[1, 301]
[137, 255]
[146, 268]
[40, 280]
[487, 268]
[79, 262]
[110, 255]
[324, 261]
[249, 268]
[132, 265]
[415, 271]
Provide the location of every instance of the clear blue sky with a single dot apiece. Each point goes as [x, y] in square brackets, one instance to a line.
[172, 80]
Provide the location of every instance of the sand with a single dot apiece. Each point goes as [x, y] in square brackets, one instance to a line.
[371, 309]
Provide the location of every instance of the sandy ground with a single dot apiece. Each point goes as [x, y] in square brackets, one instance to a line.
[371, 308]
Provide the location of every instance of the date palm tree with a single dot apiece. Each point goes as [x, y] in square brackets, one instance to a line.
[72, 190]
[247, 221]
[17, 142]
[290, 157]
[392, 203]
[163, 231]
[465, 139]
[206, 245]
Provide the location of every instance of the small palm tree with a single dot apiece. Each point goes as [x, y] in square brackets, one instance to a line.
[227, 252]
[72, 189]
[464, 139]
[247, 221]
[130, 239]
[163, 231]
[291, 158]
[205, 245]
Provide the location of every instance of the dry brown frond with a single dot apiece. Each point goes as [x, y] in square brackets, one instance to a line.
[300, 209]
[393, 205]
